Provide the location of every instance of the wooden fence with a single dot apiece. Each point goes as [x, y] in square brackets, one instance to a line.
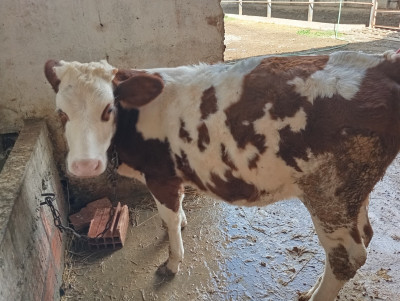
[373, 4]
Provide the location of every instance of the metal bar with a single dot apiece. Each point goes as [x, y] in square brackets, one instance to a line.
[240, 7]
[297, 2]
[310, 10]
[375, 8]
[371, 14]
[388, 27]
[269, 8]
[388, 11]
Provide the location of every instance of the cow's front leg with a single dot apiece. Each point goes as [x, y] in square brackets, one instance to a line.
[183, 218]
[168, 196]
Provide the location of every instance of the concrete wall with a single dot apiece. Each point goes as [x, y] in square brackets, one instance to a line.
[129, 33]
[31, 247]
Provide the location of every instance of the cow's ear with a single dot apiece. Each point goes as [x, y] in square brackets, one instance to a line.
[138, 89]
[51, 74]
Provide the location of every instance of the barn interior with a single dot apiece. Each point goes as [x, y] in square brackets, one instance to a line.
[231, 253]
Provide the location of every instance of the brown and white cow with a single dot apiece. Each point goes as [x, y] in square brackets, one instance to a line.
[320, 128]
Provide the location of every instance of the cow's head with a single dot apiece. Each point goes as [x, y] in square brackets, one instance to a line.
[85, 103]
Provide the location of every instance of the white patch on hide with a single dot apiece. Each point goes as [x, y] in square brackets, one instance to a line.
[342, 75]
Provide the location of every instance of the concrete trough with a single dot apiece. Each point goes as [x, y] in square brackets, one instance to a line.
[31, 247]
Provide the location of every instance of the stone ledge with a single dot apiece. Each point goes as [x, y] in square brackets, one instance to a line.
[31, 247]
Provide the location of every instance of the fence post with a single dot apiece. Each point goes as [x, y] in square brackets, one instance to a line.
[372, 16]
[240, 7]
[269, 4]
[310, 10]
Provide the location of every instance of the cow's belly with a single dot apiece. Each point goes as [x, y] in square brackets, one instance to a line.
[272, 180]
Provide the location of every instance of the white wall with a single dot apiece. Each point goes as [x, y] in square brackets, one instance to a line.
[130, 33]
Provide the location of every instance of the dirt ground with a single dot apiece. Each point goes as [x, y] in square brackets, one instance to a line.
[322, 13]
[246, 39]
[234, 253]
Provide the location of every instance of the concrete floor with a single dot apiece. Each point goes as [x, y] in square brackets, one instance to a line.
[234, 253]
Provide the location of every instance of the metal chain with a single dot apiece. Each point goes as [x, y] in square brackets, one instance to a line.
[108, 225]
[112, 177]
[49, 198]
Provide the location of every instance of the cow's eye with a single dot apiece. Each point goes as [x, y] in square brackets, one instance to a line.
[63, 116]
[108, 110]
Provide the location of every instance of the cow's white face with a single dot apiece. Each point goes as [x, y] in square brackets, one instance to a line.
[85, 103]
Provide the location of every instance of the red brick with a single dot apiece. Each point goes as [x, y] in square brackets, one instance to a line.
[123, 223]
[101, 203]
[116, 234]
[83, 218]
[40, 255]
[56, 250]
[48, 224]
[99, 222]
[50, 284]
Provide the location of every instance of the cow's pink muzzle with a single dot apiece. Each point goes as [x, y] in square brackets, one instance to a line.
[86, 168]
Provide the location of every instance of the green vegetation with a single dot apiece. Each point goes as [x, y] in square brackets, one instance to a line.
[318, 33]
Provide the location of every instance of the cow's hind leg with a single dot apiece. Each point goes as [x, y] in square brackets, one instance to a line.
[345, 248]
[345, 252]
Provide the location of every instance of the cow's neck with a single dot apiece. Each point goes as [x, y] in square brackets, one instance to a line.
[150, 156]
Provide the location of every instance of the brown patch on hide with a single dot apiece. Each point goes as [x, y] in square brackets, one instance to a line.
[368, 233]
[340, 263]
[124, 74]
[267, 83]
[152, 157]
[183, 133]
[134, 89]
[253, 162]
[232, 189]
[63, 117]
[183, 165]
[372, 112]
[292, 146]
[51, 75]
[208, 103]
[360, 162]
[226, 158]
[167, 191]
[355, 141]
[341, 182]
[355, 234]
[204, 137]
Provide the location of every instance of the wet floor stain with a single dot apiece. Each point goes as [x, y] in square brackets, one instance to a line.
[237, 253]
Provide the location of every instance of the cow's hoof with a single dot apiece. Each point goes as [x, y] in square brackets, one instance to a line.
[164, 271]
[184, 224]
[303, 296]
